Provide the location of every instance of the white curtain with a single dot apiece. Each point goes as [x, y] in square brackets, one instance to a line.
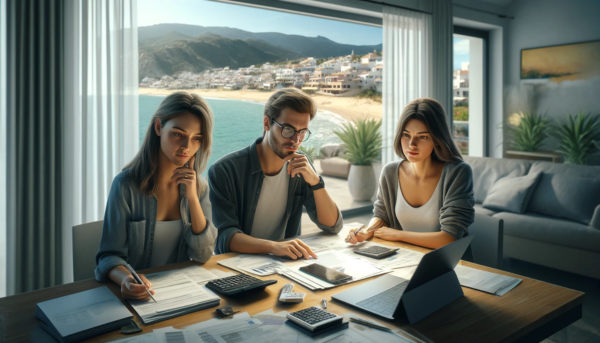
[101, 101]
[407, 74]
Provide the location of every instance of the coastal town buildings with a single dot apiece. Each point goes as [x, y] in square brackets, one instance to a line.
[340, 76]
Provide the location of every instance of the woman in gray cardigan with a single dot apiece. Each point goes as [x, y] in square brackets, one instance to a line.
[426, 198]
[158, 209]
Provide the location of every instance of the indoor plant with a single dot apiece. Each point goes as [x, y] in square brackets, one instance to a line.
[530, 131]
[576, 137]
[362, 141]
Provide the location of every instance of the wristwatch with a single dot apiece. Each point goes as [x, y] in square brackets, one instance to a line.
[319, 185]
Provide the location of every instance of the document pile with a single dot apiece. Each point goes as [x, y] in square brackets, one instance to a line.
[265, 327]
[481, 280]
[177, 293]
[83, 315]
[356, 267]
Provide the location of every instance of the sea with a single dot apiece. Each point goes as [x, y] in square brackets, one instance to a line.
[239, 122]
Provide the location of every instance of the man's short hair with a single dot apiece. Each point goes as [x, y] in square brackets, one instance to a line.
[293, 98]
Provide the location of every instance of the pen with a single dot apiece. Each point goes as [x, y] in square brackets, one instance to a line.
[370, 324]
[138, 279]
[355, 233]
[324, 303]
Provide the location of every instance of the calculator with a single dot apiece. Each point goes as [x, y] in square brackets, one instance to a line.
[287, 296]
[376, 251]
[236, 284]
[314, 319]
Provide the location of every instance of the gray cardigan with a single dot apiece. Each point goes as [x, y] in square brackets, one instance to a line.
[128, 229]
[456, 203]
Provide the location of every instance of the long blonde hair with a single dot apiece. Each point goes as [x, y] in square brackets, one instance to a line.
[144, 166]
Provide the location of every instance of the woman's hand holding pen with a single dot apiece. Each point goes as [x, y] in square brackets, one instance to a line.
[133, 290]
[359, 237]
[187, 176]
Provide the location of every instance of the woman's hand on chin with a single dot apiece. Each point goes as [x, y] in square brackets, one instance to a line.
[388, 234]
[187, 176]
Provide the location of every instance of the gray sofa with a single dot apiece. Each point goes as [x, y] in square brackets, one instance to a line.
[546, 234]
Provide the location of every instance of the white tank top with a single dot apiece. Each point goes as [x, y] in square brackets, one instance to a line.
[424, 218]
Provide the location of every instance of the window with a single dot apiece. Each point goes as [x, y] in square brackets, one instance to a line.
[469, 90]
[236, 82]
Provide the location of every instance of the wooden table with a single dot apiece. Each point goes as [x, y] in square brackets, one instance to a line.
[531, 312]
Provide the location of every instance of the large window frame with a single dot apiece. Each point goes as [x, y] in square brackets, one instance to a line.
[484, 35]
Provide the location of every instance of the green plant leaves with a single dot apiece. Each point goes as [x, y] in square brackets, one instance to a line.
[310, 152]
[577, 136]
[531, 132]
[362, 139]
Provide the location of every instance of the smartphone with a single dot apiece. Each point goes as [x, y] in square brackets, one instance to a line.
[325, 273]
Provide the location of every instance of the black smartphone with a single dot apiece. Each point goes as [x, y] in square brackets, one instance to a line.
[325, 273]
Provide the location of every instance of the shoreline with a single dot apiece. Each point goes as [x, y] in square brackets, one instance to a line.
[349, 108]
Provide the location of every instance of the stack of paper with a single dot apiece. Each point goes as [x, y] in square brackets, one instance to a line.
[261, 265]
[356, 267]
[485, 281]
[269, 327]
[176, 294]
[83, 315]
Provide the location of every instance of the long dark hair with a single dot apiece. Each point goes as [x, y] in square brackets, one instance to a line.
[144, 166]
[432, 114]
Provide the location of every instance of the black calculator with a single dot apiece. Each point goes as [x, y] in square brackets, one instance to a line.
[314, 319]
[376, 251]
[238, 284]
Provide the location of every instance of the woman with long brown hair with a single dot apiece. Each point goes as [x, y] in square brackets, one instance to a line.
[158, 210]
[426, 198]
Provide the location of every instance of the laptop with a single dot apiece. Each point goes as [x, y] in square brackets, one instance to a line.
[382, 296]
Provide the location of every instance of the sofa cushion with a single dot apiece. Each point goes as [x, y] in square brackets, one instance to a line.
[566, 196]
[511, 194]
[550, 230]
[487, 170]
[335, 166]
[482, 210]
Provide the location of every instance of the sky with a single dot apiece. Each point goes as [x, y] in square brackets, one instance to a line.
[208, 13]
[461, 51]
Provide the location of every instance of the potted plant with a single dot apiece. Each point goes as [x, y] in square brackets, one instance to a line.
[362, 141]
[576, 137]
[529, 134]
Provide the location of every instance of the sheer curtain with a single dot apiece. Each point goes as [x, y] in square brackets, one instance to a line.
[101, 101]
[407, 75]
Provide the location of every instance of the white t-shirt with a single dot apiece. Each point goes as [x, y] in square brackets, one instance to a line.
[167, 235]
[269, 220]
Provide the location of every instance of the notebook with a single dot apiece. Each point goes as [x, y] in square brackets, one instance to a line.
[83, 315]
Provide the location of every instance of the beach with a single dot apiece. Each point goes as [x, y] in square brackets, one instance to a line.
[349, 108]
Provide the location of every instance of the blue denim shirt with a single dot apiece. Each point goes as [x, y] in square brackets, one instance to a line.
[128, 229]
[235, 184]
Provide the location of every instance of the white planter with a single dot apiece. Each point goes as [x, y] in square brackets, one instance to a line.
[362, 183]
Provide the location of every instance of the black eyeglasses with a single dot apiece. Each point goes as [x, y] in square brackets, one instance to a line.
[288, 132]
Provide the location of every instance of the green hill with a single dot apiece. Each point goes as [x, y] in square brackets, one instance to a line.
[173, 53]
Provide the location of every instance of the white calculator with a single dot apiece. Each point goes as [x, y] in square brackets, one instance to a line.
[288, 296]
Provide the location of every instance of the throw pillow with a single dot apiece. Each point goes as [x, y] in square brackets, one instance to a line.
[566, 196]
[511, 194]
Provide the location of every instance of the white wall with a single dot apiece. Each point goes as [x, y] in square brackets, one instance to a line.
[540, 23]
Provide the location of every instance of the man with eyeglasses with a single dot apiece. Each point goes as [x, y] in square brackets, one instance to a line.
[257, 193]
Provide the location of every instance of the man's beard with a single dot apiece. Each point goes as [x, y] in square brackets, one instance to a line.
[278, 149]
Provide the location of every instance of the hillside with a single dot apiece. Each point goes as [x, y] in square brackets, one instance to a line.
[318, 47]
[176, 52]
